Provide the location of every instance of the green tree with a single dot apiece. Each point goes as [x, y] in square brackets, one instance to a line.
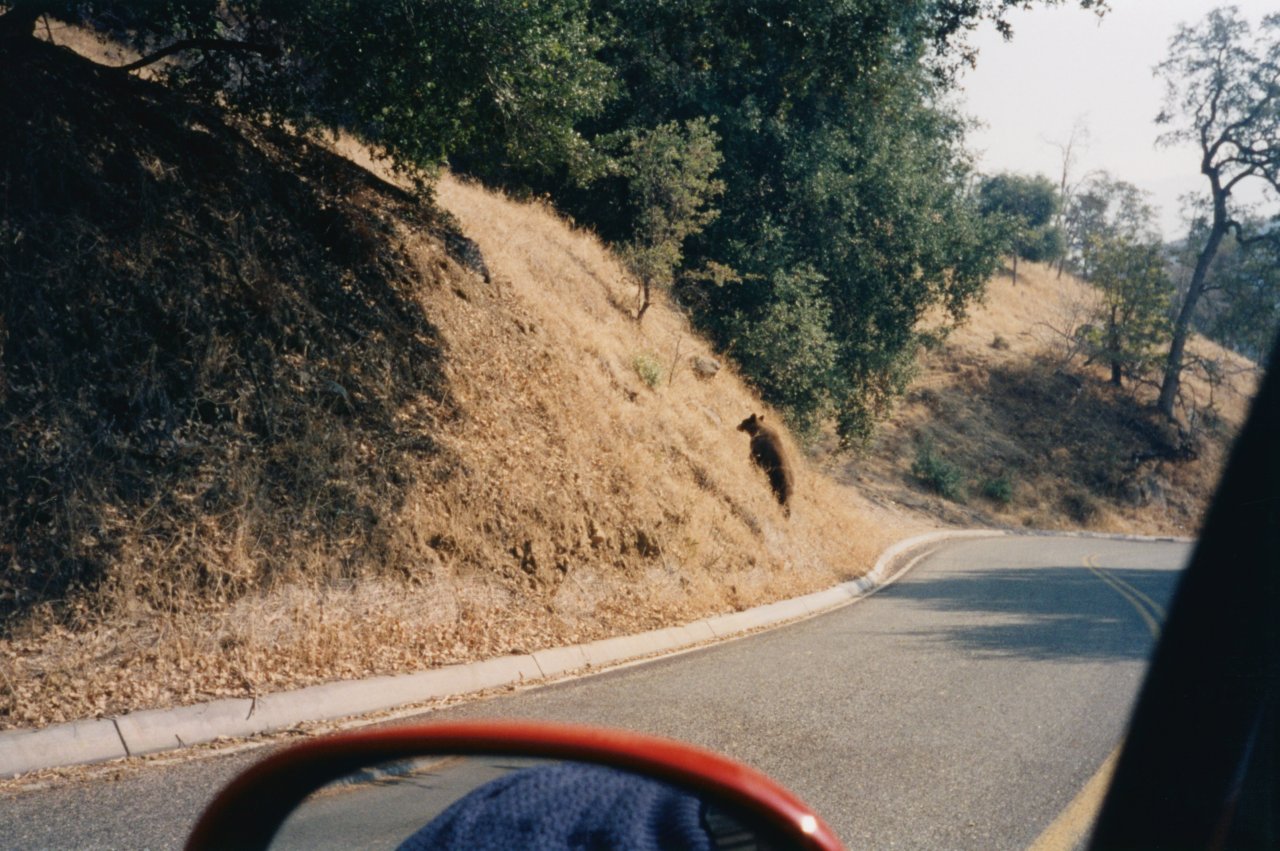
[1115, 245]
[420, 78]
[669, 178]
[1025, 210]
[1131, 276]
[1103, 209]
[841, 164]
[1223, 95]
[841, 169]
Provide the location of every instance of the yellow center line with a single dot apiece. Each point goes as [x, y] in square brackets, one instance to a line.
[1073, 824]
[1132, 595]
[1155, 607]
[1092, 562]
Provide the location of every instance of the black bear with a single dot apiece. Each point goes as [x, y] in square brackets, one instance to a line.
[767, 452]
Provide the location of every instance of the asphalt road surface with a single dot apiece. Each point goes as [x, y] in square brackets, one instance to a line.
[966, 706]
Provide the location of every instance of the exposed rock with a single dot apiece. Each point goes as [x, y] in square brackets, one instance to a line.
[705, 367]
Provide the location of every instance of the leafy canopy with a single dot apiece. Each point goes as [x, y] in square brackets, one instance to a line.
[845, 214]
[420, 78]
[1025, 209]
[1100, 209]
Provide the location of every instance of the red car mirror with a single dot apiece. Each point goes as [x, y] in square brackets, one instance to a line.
[503, 785]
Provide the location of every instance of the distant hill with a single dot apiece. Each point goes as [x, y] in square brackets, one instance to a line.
[1036, 437]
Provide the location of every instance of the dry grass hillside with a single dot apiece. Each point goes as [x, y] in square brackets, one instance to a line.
[1036, 437]
[267, 422]
[265, 428]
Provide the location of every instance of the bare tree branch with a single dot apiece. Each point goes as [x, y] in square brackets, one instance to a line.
[266, 50]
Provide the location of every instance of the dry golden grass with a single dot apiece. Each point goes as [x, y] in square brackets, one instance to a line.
[1005, 395]
[581, 482]
[582, 502]
[1037, 316]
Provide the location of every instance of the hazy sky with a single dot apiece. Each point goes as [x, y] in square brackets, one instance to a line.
[1065, 65]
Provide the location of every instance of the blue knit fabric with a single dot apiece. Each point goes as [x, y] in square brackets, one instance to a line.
[568, 806]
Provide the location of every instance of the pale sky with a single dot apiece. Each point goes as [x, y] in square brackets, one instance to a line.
[1065, 65]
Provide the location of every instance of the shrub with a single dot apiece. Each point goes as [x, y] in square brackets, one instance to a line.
[998, 489]
[787, 351]
[648, 368]
[939, 474]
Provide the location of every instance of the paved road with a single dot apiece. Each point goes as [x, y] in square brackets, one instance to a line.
[963, 707]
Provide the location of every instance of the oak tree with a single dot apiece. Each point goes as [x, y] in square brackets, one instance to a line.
[1223, 95]
[1025, 209]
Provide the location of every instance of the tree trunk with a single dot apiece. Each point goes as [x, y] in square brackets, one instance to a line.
[1015, 268]
[1182, 326]
[1113, 343]
[644, 305]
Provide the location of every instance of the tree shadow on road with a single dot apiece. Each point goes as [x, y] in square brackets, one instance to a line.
[1066, 614]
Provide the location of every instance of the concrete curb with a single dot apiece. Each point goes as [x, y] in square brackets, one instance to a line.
[65, 744]
[1107, 536]
[152, 730]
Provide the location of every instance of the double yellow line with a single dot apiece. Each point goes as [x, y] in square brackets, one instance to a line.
[1070, 827]
[1152, 613]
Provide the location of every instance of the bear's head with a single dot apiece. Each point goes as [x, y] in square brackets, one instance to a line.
[751, 425]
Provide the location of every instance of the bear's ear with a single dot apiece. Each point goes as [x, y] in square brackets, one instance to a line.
[759, 417]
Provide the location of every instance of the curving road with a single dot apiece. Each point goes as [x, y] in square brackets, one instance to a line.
[965, 706]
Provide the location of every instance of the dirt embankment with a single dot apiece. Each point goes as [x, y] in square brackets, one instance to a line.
[266, 425]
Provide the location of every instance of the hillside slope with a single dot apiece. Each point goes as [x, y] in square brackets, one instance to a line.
[268, 421]
[1034, 434]
[266, 426]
